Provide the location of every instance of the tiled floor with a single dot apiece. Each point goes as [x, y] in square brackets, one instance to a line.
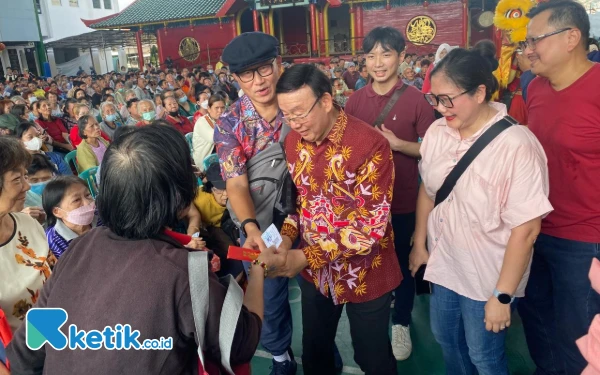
[426, 358]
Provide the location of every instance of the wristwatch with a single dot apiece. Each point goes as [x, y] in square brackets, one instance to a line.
[504, 298]
[242, 226]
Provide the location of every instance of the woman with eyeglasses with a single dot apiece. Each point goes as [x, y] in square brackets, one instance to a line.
[477, 243]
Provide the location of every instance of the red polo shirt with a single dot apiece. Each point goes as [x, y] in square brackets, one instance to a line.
[181, 123]
[409, 119]
[567, 124]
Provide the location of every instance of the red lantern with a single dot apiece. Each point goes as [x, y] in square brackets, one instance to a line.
[425, 4]
[2, 47]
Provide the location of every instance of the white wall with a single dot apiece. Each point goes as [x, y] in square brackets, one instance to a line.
[17, 21]
[64, 20]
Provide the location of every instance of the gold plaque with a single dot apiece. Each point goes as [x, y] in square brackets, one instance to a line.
[189, 49]
[421, 30]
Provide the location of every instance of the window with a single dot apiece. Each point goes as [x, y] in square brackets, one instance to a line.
[38, 6]
[96, 4]
[74, 3]
[107, 4]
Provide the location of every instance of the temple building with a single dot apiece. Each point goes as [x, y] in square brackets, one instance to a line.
[194, 32]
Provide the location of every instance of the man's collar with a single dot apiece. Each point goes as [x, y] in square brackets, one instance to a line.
[337, 131]
[248, 111]
[371, 93]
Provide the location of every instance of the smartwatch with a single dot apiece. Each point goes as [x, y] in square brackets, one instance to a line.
[243, 225]
[504, 298]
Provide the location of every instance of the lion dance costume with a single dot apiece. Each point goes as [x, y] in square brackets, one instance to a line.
[511, 18]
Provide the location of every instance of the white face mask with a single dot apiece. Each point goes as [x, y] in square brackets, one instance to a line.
[204, 104]
[35, 144]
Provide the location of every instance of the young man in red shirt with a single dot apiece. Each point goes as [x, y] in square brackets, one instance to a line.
[408, 120]
[564, 114]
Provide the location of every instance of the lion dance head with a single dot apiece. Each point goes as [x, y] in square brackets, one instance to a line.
[511, 17]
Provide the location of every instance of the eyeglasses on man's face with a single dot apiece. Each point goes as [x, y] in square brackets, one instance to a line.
[531, 42]
[299, 120]
[264, 71]
[445, 100]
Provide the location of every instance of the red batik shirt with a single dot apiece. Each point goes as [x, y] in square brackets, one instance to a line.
[345, 187]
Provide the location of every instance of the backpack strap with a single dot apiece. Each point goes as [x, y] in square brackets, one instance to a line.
[464, 162]
[232, 306]
[389, 105]
[285, 129]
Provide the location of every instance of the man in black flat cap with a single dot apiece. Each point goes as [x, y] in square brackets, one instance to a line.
[253, 123]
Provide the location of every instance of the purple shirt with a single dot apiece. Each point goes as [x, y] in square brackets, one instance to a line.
[99, 151]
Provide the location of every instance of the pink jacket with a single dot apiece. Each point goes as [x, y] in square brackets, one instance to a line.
[590, 343]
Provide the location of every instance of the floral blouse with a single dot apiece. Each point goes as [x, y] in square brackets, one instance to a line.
[26, 263]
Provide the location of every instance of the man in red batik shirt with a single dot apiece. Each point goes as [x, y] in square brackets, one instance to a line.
[344, 173]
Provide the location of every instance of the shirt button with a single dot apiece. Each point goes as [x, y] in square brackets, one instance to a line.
[454, 160]
[441, 220]
[436, 238]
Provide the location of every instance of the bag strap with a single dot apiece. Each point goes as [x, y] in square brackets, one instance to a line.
[198, 274]
[389, 105]
[285, 129]
[462, 165]
[230, 312]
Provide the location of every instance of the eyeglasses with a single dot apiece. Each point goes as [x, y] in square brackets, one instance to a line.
[446, 100]
[299, 120]
[263, 71]
[531, 42]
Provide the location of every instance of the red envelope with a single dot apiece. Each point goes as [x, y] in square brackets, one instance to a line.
[239, 253]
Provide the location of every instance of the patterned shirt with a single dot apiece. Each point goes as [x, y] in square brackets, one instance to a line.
[242, 133]
[345, 188]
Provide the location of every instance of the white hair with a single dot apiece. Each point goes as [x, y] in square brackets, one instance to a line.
[106, 104]
[145, 101]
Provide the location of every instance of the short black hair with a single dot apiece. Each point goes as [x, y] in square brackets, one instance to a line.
[82, 123]
[22, 128]
[40, 162]
[389, 38]
[122, 131]
[12, 156]
[54, 193]
[107, 89]
[146, 182]
[565, 13]
[425, 62]
[18, 110]
[161, 122]
[131, 102]
[301, 75]
[468, 70]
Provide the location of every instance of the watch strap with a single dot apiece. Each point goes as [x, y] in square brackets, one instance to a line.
[243, 225]
[498, 293]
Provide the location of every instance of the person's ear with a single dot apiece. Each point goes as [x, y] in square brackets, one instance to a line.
[58, 213]
[327, 102]
[480, 94]
[573, 39]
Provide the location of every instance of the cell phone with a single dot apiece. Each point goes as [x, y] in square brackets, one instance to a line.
[422, 286]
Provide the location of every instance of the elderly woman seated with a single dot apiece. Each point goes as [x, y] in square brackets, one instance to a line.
[69, 209]
[130, 266]
[25, 260]
[34, 141]
[90, 151]
[112, 119]
[147, 111]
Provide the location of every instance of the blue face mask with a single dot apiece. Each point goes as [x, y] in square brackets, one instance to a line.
[111, 118]
[32, 117]
[149, 116]
[183, 99]
[417, 70]
[38, 188]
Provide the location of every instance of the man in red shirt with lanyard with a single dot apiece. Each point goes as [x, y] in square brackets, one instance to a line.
[564, 114]
[407, 120]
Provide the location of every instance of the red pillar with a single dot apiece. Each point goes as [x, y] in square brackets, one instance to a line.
[321, 32]
[267, 29]
[313, 26]
[255, 19]
[159, 42]
[465, 23]
[138, 39]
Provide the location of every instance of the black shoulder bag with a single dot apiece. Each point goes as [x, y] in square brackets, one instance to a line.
[389, 105]
[422, 286]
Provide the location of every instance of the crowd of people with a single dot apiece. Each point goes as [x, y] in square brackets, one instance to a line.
[385, 174]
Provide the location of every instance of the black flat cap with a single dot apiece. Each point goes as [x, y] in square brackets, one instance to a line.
[249, 49]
